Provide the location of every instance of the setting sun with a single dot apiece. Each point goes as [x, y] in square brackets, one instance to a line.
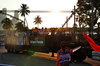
[53, 19]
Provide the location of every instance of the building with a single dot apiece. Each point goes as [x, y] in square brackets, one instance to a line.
[14, 21]
[2, 16]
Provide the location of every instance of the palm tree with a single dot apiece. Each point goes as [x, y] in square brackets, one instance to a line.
[24, 11]
[7, 24]
[37, 20]
[20, 28]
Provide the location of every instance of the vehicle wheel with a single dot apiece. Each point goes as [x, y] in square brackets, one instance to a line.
[89, 53]
[8, 50]
[14, 50]
[79, 56]
[11, 50]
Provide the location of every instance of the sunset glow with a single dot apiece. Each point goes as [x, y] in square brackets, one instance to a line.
[53, 19]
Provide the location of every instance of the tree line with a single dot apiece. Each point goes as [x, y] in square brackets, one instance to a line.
[85, 14]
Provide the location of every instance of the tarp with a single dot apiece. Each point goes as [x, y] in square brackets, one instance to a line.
[92, 43]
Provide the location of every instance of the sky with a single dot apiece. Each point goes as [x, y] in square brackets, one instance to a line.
[53, 19]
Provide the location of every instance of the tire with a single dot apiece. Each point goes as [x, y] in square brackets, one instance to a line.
[11, 50]
[17, 51]
[89, 53]
[79, 56]
[8, 50]
[14, 50]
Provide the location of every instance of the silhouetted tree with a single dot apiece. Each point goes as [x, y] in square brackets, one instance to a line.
[7, 24]
[24, 11]
[37, 20]
[20, 28]
[84, 12]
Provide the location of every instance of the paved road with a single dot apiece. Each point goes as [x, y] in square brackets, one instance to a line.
[24, 60]
[29, 60]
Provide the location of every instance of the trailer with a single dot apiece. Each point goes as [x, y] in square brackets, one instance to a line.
[46, 43]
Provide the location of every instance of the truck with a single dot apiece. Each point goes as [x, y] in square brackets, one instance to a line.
[45, 43]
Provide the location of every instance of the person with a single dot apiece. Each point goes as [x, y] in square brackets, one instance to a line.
[46, 32]
[35, 31]
[63, 32]
[58, 32]
[40, 31]
[52, 31]
[63, 56]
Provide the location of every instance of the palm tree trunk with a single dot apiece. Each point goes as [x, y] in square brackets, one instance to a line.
[24, 21]
[38, 25]
[79, 31]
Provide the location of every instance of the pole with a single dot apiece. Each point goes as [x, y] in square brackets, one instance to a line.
[74, 22]
[66, 23]
[92, 19]
[98, 31]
